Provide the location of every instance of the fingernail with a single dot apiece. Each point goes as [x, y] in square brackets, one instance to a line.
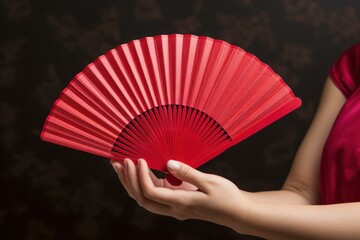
[173, 165]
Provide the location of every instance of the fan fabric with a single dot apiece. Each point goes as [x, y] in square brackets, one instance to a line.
[174, 96]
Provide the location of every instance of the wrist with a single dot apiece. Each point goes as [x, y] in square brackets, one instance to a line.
[239, 214]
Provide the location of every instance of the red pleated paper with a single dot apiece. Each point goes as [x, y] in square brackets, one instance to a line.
[176, 96]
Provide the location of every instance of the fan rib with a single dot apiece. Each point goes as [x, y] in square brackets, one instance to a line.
[171, 124]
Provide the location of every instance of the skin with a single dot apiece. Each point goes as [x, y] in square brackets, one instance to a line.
[293, 212]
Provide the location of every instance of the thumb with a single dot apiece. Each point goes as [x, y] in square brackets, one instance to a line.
[188, 174]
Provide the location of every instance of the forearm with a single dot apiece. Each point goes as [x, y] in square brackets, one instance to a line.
[284, 221]
[279, 196]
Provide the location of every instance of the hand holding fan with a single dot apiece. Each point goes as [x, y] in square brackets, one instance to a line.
[175, 96]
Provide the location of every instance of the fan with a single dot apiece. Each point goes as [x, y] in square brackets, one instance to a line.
[182, 97]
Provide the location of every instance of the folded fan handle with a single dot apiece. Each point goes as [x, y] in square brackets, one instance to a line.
[173, 180]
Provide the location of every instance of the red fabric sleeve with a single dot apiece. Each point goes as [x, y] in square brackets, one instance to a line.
[345, 73]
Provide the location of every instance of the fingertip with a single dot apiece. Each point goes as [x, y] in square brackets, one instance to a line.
[115, 168]
[126, 163]
[118, 168]
[142, 161]
[173, 165]
[144, 173]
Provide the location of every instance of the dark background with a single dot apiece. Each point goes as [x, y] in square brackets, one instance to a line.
[51, 192]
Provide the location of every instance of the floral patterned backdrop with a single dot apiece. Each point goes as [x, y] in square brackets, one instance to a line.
[51, 192]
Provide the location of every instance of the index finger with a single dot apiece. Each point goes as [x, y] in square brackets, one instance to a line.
[164, 195]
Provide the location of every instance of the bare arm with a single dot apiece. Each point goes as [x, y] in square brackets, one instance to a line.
[285, 221]
[302, 184]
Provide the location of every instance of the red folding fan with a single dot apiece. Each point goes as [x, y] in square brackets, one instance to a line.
[175, 96]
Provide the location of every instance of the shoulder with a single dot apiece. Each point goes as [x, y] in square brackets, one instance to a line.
[345, 72]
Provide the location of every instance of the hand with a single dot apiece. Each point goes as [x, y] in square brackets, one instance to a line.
[201, 196]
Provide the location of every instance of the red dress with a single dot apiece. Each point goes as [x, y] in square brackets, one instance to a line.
[340, 167]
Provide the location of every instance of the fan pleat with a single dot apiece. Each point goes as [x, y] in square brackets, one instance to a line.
[66, 135]
[225, 81]
[90, 127]
[189, 57]
[102, 88]
[173, 57]
[129, 70]
[115, 88]
[249, 114]
[216, 63]
[256, 115]
[150, 68]
[145, 65]
[160, 72]
[239, 97]
[79, 108]
[108, 113]
[78, 137]
[126, 89]
[88, 100]
[164, 60]
[154, 70]
[133, 56]
[78, 111]
[202, 54]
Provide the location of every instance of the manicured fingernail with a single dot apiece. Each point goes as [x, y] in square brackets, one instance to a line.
[173, 165]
